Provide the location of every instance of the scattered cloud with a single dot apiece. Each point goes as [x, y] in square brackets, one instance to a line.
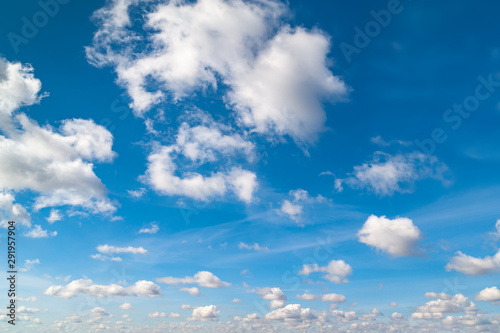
[336, 271]
[254, 246]
[153, 229]
[85, 286]
[275, 295]
[108, 249]
[38, 232]
[388, 174]
[101, 257]
[202, 278]
[28, 264]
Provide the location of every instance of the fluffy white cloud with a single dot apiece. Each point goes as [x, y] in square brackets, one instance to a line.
[387, 174]
[108, 249]
[55, 215]
[207, 142]
[335, 298]
[488, 295]
[436, 308]
[126, 306]
[205, 313]
[236, 300]
[253, 246]
[474, 266]
[202, 278]
[336, 271]
[54, 163]
[291, 312]
[153, 229]
[277, 81]
[38, 232]
[10, 211]
[85, 286]
[398, 237]
[193, 291]
[282, 91]
[275, 295]
[18, 87]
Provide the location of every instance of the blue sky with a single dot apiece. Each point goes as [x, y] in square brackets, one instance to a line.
[251, 165]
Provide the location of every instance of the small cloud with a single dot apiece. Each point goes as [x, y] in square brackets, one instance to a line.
[137, 193]
[55, 215]
[28, 264]
[254, 246]
[99, 256]
[126, 306]
[153, 229]
[38, 232]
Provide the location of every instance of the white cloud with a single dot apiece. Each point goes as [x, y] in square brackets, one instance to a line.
[18, 87]
[56, 164]
[398, 237]
[236, 300]
[249, 318]
[489, 295]
[442, 296]
[10, 211]
[101, 257]
[205, 313]
[108, 249]
[28, 264]
[153, 229]
[336, 271]
[291, 312]
[334, 298]
[387, 174]
[193, 291]
[282, 91]
[307, 297]
[277, 81]
[275, 295]
[38, 232]
[295, 209]
[99, 312]
[344, 316]
[436, 308]
[202, 278]
[126, 306]
[474, 266]
[55, 215]
[200, 144]
[85, 286]
[163, 315]
[137, 193]
[253, 246]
